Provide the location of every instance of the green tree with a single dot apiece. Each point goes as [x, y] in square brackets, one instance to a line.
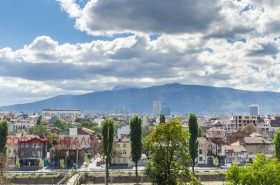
[276, 142]
[3, 136]
[17, 166]
[39, 119]
[61, 163]
[136, 140]
[249, 128]
[108, 137]
[193, 143]
[168, 152]
[200, 132]
[41, 164]
[216, 161]
[262, 171]
[161, 118]
[62, 125]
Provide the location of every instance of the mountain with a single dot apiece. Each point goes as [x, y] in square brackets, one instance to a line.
[180, 98]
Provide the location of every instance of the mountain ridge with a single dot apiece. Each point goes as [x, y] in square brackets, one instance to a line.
[180, 98]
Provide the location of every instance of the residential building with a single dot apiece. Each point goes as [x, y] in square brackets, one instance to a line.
[31, 151]
[239, 121]
[255, 145]
[123, 131]
[235, 151]
[122, 151]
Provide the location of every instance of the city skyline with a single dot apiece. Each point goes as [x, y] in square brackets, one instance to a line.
[49, 48]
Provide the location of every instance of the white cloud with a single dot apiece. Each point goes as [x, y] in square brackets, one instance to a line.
[71, 7]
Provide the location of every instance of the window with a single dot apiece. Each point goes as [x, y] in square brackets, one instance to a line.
[124, 151]
[200, 151]
[124, 145]
[200, 158]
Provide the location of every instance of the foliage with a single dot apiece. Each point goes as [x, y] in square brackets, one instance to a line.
[86, 160]
[193, 143]
[41, 164]
[162, 118]
[3, 136]
[39, 119]
[62, 125]
[216, 161]
[52, 139]
[61, 163]
[90, 125]
[262, 171]
[73, 171]
[39, 130]
[249, 128]
[147, 130]
[136, 140]
[167, 148]
[108, 137]
[276, 142]
[17, 166]
[200, 132]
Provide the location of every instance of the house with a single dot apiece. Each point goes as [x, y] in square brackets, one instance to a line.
[122, 151]
[207, 151]
[255, 145]
[123, 131]
[31, 151]
[235, 151]
[232, 137]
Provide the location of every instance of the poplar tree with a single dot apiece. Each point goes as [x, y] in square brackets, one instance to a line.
[108, 138]
[277, 144]
[193, 143]
[3, 136]
[136, 140]
[162, 118]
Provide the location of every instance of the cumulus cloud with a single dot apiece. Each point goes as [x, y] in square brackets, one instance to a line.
[229, 43]
[71, 7]
[160, 16]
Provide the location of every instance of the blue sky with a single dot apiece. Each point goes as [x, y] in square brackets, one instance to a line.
[54, 47]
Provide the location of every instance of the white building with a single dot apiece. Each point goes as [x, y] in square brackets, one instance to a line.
[156, 107]
[61, 112]
[254, 110]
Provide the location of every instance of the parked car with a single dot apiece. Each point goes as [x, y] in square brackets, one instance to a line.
[226, 166]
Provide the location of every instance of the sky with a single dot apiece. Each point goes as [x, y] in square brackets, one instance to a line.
[56, 47]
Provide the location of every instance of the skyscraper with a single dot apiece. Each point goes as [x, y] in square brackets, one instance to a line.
[254, 110]
[156, 107]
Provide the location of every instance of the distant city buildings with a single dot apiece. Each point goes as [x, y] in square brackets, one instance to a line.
[61, 112]
[254, 110]
[160, 108]
[156, 107]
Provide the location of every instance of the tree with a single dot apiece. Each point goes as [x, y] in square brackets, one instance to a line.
[262, 171]
[3, 136]
[136, 140]
[61, 163]
[193, 143]
[249, 129]
[161, 118]
[60, 124]
[41, 164]
[276, 142]
[39, 119]
[17, 166]
[200, 132]
[216, 161]
[168, 152]
[108, 137]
